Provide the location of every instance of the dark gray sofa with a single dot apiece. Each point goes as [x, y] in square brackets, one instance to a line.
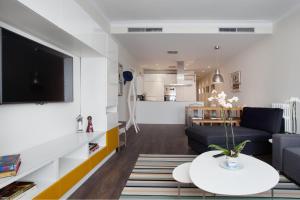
[286, 155]
[257, 125]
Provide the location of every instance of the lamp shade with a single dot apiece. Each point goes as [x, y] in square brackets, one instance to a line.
[217, 77]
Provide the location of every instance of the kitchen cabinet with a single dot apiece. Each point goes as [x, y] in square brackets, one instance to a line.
[170, 79]
[186, 93]
[154, 90]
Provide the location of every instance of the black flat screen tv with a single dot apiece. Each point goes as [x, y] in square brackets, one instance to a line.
[33, 73]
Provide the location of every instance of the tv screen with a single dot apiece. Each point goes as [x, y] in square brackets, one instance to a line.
[32, 72]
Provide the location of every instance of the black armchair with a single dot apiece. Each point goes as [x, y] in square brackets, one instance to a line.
[286, 155]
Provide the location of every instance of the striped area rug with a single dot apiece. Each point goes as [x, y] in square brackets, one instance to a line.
[152, 178]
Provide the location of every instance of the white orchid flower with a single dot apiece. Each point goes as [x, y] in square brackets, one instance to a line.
[233, 99]
[236, 99]
[211, 98]
[222, 95]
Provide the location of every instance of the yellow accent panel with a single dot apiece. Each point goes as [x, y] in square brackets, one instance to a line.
[60, 187]
[52, 192]
[112, 139]
[98, 157]
[70, 179]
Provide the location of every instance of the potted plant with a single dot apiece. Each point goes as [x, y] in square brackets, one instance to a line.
[230, 151]
[231, 154]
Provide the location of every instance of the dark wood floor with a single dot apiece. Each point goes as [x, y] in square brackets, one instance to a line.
[109, 180]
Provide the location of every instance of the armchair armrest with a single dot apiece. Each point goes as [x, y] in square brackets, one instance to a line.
[281, 141]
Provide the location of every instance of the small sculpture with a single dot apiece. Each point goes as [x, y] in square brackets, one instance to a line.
[79, 120]
[89, 128]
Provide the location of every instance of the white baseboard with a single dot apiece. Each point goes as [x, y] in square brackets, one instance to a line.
[75, 187]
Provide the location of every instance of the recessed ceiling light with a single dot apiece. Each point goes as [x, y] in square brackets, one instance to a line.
[156, 64]
[208, 67]
[203, 70]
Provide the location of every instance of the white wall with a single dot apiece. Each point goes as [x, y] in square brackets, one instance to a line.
[25, 125]
[271, 67]
[94, 84]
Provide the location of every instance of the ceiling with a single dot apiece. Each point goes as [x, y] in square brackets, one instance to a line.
[123, 10]
[197, 50]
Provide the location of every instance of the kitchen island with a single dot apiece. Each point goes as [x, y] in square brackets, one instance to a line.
[161, 112]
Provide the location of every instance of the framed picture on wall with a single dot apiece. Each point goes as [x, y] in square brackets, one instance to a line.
[236, 81]
[120, 72]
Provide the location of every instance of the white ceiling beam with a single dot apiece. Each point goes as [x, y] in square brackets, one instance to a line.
[193, 27]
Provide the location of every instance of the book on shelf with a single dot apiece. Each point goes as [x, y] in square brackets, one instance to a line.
[11, 172]
[93, 147]
[15, 189]
[9, 162]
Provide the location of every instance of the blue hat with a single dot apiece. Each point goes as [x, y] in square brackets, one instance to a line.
[127, 75]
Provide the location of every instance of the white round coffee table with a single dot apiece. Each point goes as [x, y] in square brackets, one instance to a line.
[255, 177]
[182, 174]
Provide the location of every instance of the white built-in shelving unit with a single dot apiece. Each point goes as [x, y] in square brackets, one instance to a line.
[46, 163]
[66, 25]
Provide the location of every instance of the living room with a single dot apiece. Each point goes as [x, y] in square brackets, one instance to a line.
[137, 99]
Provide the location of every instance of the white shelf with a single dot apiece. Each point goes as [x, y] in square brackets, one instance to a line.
[39, 156]
[28, 21]
[28, 194]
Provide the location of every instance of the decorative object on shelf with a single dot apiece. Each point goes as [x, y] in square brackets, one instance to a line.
[90, 127]
[217, 77]
[293, 103]
[79, 118]
[120, 89]
[231, 151]
[236, 81]
[79, 123]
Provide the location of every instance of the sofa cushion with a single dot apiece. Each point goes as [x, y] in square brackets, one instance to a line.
[216, 134]
[266, 119]
[291, 163]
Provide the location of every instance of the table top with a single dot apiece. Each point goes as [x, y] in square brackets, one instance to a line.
[213, 108]
[255, 177]
[181, 173]
[217, 120]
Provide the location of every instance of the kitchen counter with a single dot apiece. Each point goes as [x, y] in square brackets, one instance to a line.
[161, 112]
